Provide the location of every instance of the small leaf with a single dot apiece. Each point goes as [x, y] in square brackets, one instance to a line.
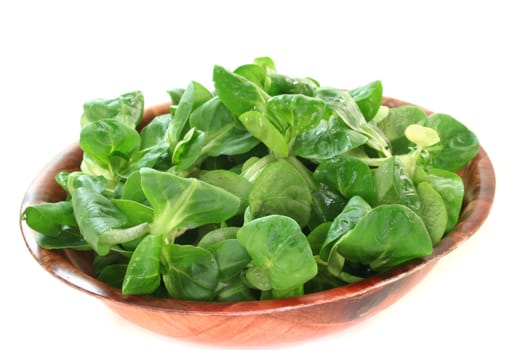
[421, 135]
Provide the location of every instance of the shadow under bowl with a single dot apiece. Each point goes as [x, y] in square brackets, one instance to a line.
[254, 322]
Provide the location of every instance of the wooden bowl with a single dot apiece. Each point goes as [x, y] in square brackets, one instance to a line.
[254, 322]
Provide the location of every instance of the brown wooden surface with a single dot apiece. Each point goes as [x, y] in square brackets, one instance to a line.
[258, 322]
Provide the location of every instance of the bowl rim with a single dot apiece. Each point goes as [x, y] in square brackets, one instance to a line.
[59, 263]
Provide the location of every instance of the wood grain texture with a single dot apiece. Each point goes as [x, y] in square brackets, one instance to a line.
[260, 322]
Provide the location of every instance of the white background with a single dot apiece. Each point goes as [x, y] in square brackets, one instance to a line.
[461, 58]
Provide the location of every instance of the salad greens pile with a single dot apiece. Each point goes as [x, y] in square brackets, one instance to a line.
[267, 187]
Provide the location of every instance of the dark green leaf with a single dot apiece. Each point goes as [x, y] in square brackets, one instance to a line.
[281, 84]
[460, 144]
[327, 140]
[233, 290]
[143, 271]
[368, 98]
[68, 238]
[387, 236]
[113, 275]
[49, 218]
[353, 212]
[326, 204]
[317, 237]
[349, 176]
[189, 272]
[218, 235]
[231, 257]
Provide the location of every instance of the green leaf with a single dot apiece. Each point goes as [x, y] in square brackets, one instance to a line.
[281, 84]
[218, 235]
[68, 238]
[326, 205]
[126, 108]
[188, 150]
[132, 188]
[233, 290]
[254, 73]
[433, 211]
[223, 133]
[294, 114]
[261, 128]
[237, 93]
[189, 273]
[135, 212]
[317, 237]
[349, 176]
[459, 144]
[387, 236]
[421, 135]
[266, 63]
[395, 124]
[184, 203]
[277, 245]
[342, 103]
[231, 182]
[145, 158]
[327, 140]
[113, 275]
[194, 96]
[353, 212]
[231, 257]
[154, 133]
[175, 95]
[49, 218]
[105, 140]
[143, 271]
[368, 98]
[394, 185]
[451, 189]
[289, 195]
[100, 222]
